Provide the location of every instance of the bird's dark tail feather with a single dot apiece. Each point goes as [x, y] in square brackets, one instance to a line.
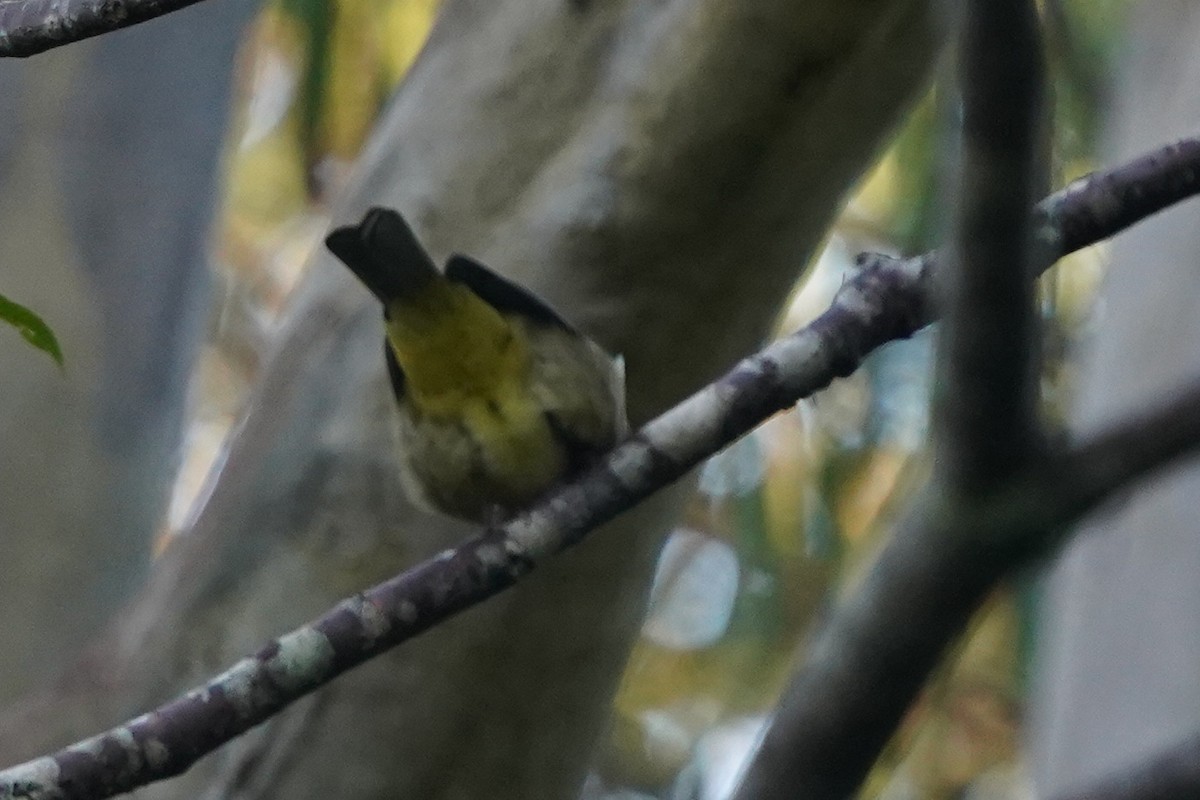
[384, 253]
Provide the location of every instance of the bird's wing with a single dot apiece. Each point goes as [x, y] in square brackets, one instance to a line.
[501, 293]
[394, 372]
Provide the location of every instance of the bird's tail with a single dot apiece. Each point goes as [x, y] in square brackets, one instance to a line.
[384, 253]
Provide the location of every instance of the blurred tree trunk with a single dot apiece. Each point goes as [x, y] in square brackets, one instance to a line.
[108, 154]
[660, 172]
[1118, 674]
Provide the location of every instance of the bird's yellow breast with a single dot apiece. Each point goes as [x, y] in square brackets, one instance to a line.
[455, 350]
[476, 428]
[515, 440]
[499, 397]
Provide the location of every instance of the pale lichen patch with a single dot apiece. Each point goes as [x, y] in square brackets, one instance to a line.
[852, 300]
[123, 736]
[911, 269]
[526, 537]
[301, 656]
[491, 555]
[237, 682]
[375, 623]
[631, 462]
[698, 418]
[407, 612]
[800, 349]
[92, 747]
[33, 778]
[157, 753]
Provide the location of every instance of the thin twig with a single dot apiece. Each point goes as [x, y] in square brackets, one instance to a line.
[886, 300]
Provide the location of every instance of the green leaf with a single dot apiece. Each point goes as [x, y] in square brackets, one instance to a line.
[31, 326]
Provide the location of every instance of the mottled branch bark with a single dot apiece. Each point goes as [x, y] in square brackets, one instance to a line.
[1102, 204]
[29, 27]
[933, 573]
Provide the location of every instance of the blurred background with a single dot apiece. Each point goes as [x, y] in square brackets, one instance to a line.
[782, 520]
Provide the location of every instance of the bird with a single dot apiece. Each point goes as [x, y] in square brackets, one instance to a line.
[499, 398]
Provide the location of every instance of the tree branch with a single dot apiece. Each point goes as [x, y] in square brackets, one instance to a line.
[1102, 204]
[985, 405]
[1107, 462]
[29, 27]
[866, 665]
[1172, 774]
[887, 299]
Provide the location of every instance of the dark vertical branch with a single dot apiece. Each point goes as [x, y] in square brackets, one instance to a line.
[987, 377]
[863, 672]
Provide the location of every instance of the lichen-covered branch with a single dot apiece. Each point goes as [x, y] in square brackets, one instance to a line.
[887, 299]
[1102, 204]
[29, 27]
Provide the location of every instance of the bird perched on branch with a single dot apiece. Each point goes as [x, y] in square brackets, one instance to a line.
[499, 398]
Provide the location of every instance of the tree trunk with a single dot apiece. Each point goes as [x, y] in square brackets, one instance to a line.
[108, 156]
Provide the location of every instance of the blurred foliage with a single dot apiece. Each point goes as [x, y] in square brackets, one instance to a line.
[32, 328]
[1081, 47]
[784, 519]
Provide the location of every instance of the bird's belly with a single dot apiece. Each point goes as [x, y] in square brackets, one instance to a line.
[498, 454]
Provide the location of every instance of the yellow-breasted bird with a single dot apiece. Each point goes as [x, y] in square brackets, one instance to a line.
[499, 398]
